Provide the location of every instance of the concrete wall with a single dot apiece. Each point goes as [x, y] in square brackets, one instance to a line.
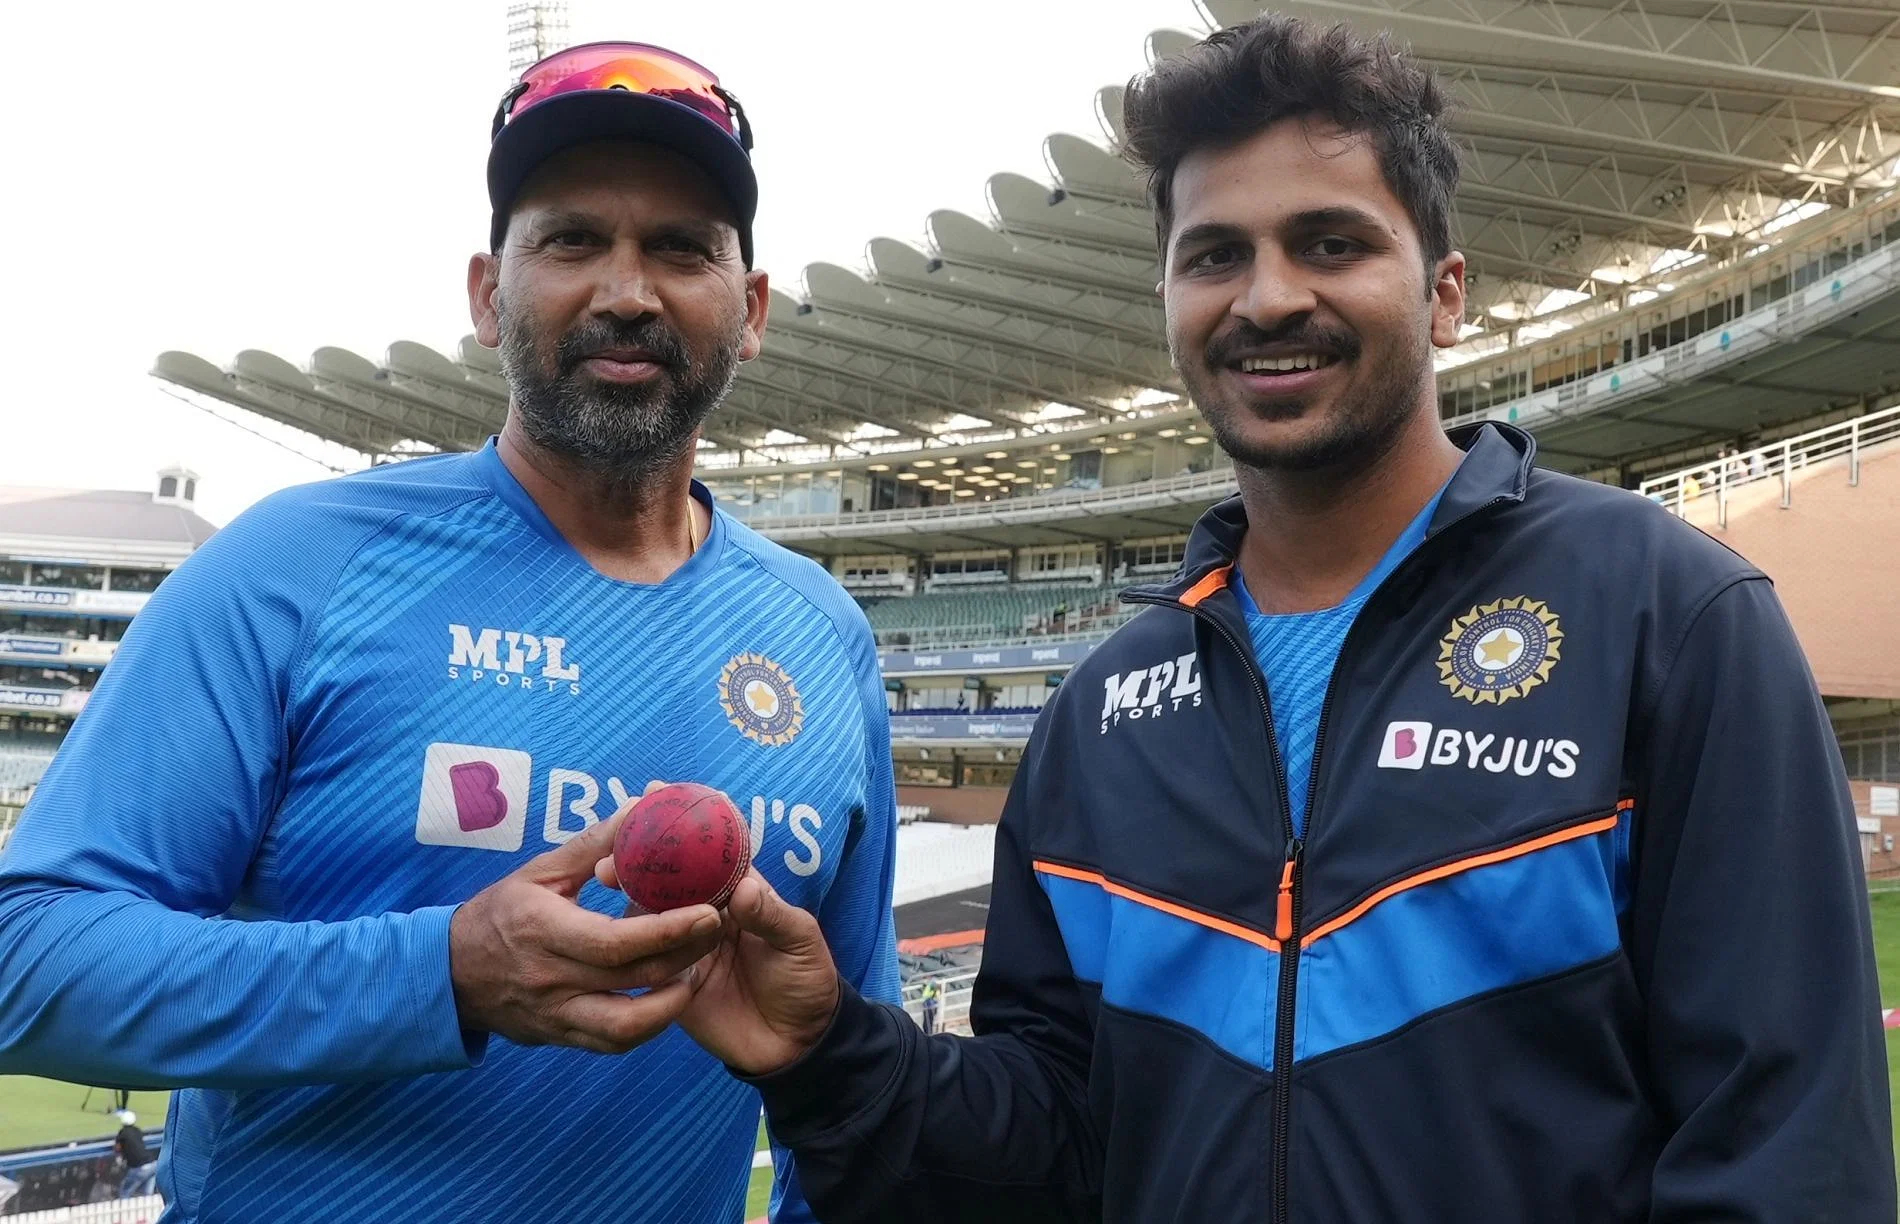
[957, 804]
[1880, 862]
[1834, 556]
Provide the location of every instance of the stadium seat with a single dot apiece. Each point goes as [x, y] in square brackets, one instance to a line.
[1014, 610]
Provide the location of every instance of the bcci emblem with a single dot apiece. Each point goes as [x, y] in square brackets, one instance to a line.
[761, 700]
[1500, 650]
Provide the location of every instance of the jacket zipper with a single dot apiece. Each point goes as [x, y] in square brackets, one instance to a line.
[1288, 920]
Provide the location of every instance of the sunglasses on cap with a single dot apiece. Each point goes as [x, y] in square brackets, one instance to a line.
[634, 67]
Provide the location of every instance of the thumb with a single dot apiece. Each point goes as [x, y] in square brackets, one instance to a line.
[760, 911]
[571, 864]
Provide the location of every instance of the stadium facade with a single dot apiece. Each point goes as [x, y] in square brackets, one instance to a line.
[75, 568]
[1681, 221]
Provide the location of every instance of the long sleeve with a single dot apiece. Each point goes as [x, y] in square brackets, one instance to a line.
[856, 915]
[133, 939]
[891, 1125]
[1751, 939]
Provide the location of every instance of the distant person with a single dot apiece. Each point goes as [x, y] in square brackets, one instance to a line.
[930, 1007]
[320, 851]
[1451, 840]
[141, 1167]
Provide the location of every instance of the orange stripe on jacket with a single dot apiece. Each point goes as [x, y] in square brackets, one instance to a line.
[1167, 907]
[1460, 866]
[1504, 854]
[1214, 581]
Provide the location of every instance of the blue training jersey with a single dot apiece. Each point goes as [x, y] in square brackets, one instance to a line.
[1297, 652]
[355, 707]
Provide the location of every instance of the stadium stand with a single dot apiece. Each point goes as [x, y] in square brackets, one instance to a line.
[60, 622]
[21, 768]
[1001, 613]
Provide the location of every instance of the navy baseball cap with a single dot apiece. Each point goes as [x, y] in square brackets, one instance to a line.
[621, 91]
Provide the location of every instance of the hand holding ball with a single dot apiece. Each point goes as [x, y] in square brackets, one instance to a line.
[683, 844]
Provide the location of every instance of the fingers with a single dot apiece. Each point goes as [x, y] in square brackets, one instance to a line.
[641, 975]
[616, 1023]
[612, 943]
[569, 865]
[760, 911]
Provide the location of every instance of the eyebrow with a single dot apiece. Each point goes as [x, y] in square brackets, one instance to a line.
[563, 219]
[701, 229]
[1335, 216]
[1203, 232]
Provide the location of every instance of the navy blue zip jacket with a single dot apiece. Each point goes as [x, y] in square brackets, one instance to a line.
[1577, 930]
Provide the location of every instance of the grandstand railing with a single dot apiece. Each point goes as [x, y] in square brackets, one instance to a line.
[1842, 269]
[953, 999]
[1496, 373]
[142, 1210]
[1170, 490]
[1777, 461]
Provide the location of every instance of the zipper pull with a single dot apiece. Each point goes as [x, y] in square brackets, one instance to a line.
[1283, 920]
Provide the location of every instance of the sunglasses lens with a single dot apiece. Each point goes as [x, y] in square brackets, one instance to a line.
[629, 66]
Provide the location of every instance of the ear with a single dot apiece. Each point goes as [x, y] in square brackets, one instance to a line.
[484, 278]
[1448, 300]
[758, 301]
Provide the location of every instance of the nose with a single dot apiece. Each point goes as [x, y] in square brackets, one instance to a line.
[626, 286]
[1275, 292]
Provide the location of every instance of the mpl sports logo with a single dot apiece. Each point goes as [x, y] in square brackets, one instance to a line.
[1414, 745]
[1150, 692]
[479, 797]
[502, 657]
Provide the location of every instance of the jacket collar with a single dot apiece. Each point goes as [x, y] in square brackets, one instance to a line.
[1496, 468]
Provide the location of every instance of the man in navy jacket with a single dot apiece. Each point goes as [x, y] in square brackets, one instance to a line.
[1451, 841]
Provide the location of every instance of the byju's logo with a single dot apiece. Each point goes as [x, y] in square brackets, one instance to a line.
[502, 657]
[1414, 745]
[473, 796]
[1404, 746]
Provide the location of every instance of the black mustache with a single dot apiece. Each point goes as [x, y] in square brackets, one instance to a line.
[1244, 337]
[598, 335]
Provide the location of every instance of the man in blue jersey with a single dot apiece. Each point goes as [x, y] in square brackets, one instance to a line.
[320, 851]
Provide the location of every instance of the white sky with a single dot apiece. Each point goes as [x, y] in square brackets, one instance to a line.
[214, 176]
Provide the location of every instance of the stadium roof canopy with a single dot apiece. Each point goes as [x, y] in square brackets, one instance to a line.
[1607, 143]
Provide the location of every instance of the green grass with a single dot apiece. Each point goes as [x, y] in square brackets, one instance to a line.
[1887, 957]
[760, 1196]
[34, 1112]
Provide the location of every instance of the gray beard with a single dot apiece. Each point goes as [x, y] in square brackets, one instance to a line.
[619, 433]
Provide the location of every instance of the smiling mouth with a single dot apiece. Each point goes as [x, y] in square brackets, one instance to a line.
[1289, 364]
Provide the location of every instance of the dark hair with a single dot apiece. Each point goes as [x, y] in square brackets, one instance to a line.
[1238, 81]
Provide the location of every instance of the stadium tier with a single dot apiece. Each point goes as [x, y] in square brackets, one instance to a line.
[75, 568]
[1005, 612]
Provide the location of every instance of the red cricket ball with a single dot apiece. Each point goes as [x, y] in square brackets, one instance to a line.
[684, 844]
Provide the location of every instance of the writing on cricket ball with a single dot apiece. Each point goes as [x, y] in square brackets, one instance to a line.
[684, 844]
